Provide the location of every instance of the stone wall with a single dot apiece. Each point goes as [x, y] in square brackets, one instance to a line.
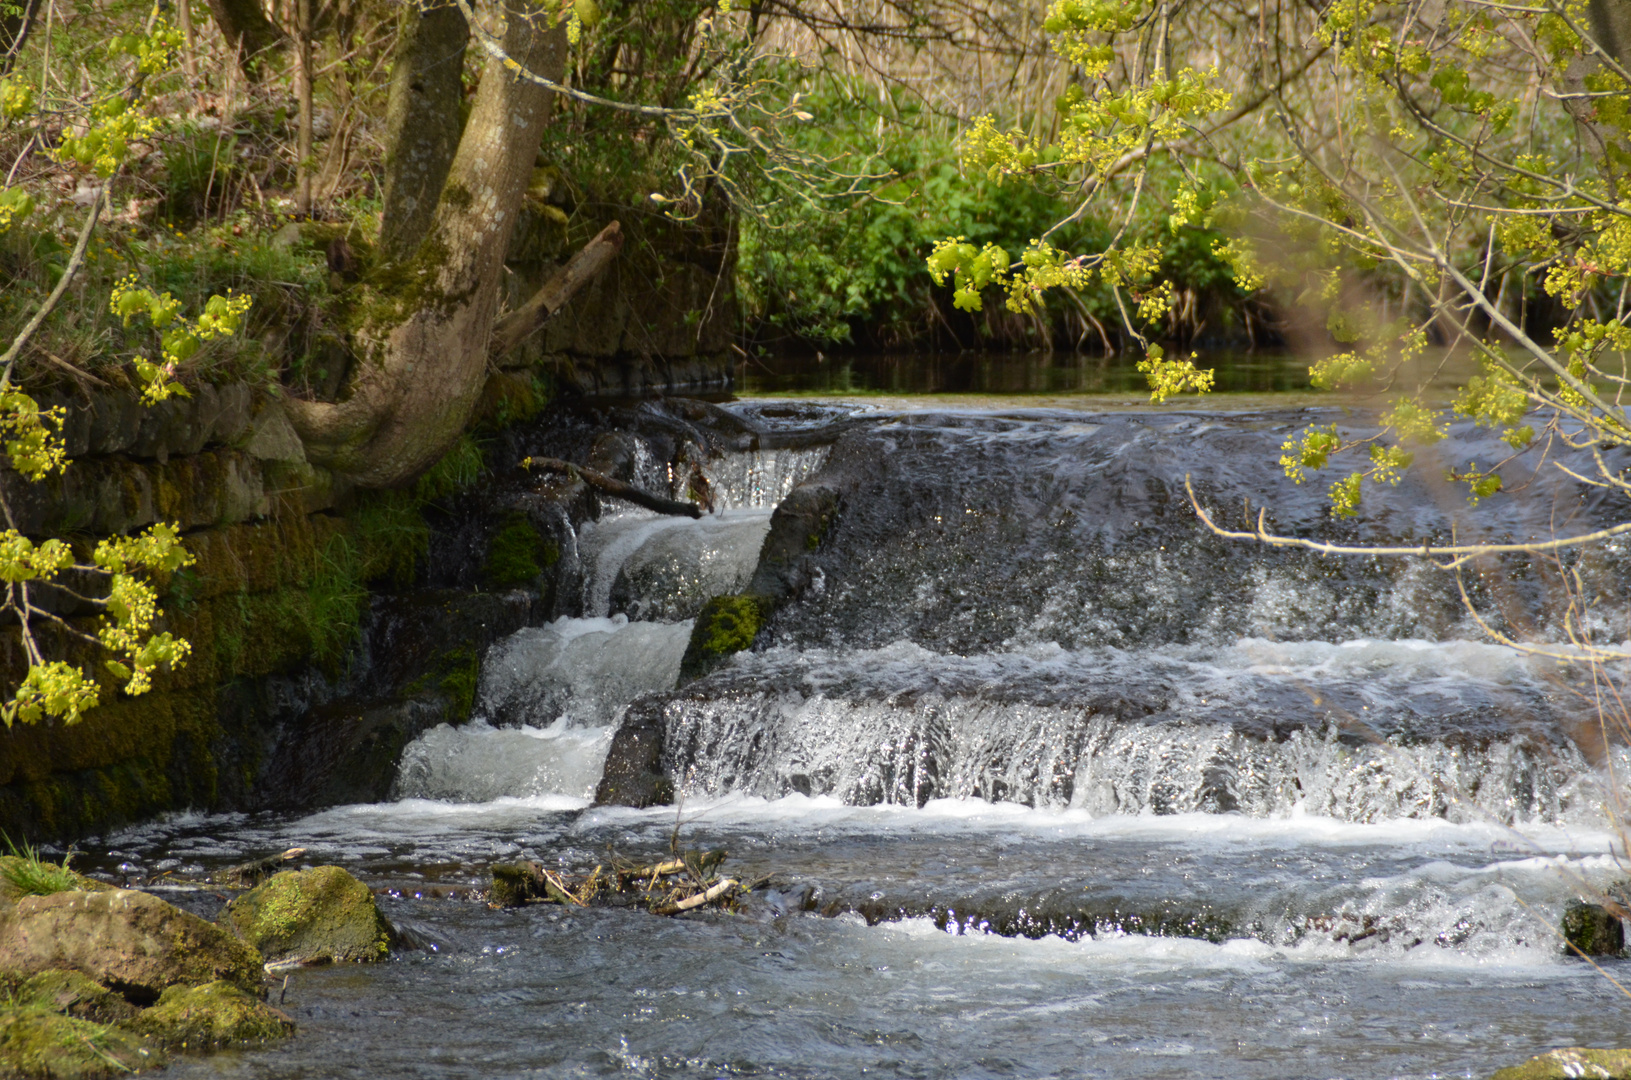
[303, 688]
[660, 319]
[256, 524]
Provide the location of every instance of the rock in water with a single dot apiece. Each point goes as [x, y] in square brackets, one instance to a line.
[317, 916]
[74, 994]
[1576, 1061]
[1593, 930]
[39, 1043]
[128, 941]
[210, 1017]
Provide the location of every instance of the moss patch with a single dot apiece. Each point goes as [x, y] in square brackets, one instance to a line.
[26, 874]
[1571, 1062]
[73, 994]
[459, 684]
[726, 625]
[517, 554]
[37, 1042]
[210, 1017]
[321, 915]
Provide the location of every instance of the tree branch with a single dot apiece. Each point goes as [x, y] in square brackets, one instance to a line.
[616, 488]
[75, 261]
[1461, 552]
[529, 318]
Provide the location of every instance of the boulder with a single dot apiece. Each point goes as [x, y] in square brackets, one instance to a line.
[317, 916]
[128, 941]
[40, 1043]
[1592, 930]
[1572, 1062]
[73, 994]
[22, 876]
[210, 1017]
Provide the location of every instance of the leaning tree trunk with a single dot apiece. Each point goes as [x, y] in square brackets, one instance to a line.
[423, 342]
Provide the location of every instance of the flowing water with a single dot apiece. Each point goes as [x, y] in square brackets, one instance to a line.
[1049, 782]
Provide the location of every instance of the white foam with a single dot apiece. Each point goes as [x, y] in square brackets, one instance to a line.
[799, 814]
[478, 764]
[582, 671]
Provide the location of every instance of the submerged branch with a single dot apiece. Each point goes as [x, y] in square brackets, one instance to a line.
[666, 888]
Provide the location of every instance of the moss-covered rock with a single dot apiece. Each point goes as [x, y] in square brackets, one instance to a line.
[322, 915]
[1592, 930]
[39, 1043]
[1574, 1061]
[210, 1017]
[511, 885]
[517, 554]
[726, 625]
[21, 875]
[127, 940]
[73, 994]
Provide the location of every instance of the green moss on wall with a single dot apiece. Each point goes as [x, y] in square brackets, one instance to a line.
[517, 554]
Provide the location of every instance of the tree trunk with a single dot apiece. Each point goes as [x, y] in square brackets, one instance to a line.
[1609, 23]
[303, 96]
[14, 28]
[422, 124]
[1611, 26]
[423, 339]
[246, 28]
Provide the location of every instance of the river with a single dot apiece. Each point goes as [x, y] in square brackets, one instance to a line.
[1050, 782]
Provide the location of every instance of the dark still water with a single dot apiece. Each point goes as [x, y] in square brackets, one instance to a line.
[1051, 782]
[1002, 373]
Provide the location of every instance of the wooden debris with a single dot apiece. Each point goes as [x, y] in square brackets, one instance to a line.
[248, 875]
[686, 883]
[612, 486]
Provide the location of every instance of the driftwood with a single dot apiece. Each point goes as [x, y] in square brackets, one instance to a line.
[614, 487]
[677, 885]
[248, 875]
[526, 320]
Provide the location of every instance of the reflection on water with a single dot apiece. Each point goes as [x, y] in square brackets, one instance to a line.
[1264, 372]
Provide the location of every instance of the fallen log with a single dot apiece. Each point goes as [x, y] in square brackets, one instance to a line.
[248, 875]
[614, 487]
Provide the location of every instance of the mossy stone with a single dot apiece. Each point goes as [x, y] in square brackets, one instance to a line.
[1592, 930]
[1574, 1061]
[322, 915]
[511, 885]
[725, 626]
[122, 938]
[73, 994]
[209, 1017]
[517, 554]
[37, 1042]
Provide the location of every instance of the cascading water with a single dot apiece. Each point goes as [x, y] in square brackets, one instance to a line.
[1080, 788]
[550, 697]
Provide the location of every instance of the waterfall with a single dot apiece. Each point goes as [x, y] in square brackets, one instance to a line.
[1024, 608]
[550, 697]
